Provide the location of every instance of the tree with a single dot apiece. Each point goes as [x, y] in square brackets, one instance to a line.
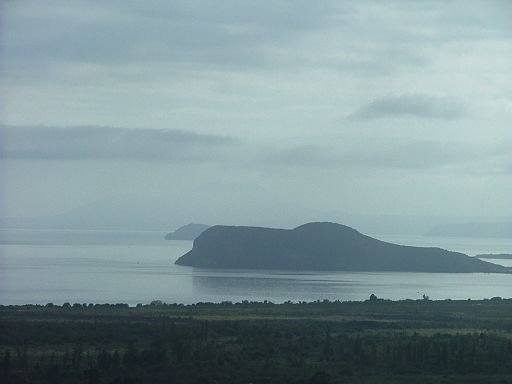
[104, 360]
[320, 377]
[6, 363]
[327, 350]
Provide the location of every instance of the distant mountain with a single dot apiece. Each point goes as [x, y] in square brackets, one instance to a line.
[494, 256]
[503, 230]
[320, 246]
[187, 232]
[132, 212]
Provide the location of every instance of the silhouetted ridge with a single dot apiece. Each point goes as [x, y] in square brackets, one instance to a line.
[319, 246]
[326, 227]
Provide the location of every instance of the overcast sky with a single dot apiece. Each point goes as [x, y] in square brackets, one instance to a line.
[396, 107]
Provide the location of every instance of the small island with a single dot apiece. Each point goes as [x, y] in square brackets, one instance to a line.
[320, 246]
[187, 232]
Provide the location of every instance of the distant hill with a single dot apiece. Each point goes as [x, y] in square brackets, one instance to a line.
[502, 230]
[495, 256]
[320, 246]
[187, 232]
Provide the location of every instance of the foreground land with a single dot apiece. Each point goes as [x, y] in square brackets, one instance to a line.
[375, 341]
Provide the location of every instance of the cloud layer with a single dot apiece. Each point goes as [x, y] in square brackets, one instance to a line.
[376, 106]
[95, 143]
[108, 143]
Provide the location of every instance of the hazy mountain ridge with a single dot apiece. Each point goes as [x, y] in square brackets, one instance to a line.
[498, 230]
[159, 213]
[187, 232]
[494, 256]
[320, 246]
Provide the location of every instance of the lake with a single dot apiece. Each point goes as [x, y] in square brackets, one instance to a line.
[41, 266]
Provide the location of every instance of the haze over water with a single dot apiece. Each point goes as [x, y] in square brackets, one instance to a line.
[137, 267]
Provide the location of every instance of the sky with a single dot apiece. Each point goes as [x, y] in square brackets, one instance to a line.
[250, 112]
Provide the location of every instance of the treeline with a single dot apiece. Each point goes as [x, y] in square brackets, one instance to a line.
[495, 313]
[385, 305]
[373, 299]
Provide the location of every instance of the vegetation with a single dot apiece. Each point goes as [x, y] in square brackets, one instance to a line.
[375, 341]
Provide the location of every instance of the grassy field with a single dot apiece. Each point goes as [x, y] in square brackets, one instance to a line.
[375, 341]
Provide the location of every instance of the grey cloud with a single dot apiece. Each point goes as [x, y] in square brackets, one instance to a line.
[416, 105]
[108, 143]
[208, 33]
[232, 34]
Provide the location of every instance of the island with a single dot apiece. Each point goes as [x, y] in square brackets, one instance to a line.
[187, 232]
[320, 246]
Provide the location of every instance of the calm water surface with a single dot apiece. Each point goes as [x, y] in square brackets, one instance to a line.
[138, 267]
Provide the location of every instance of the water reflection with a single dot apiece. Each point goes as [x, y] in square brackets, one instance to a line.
[348, 285]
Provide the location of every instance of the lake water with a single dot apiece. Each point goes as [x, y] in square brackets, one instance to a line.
[137, 267]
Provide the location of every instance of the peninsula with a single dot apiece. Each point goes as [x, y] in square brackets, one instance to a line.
[320, 246]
